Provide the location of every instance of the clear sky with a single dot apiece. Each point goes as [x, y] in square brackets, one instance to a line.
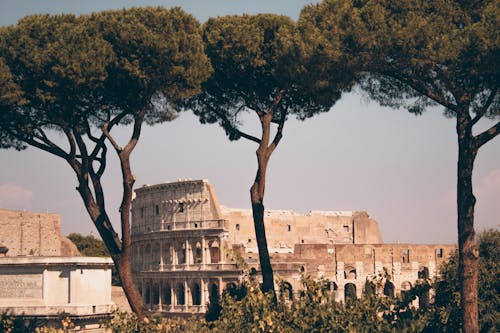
[359, 156]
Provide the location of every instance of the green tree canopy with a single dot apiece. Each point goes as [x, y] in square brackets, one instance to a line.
[81, 77]
[446, 314]
[416, 54]
[259, 67]
[89, 246]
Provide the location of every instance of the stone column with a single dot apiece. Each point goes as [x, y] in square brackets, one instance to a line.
[203, 250]
[160, 294]
[174, 255]
[173, 295]
[207, 253]
[186, 295]
[189, 257]
[220, 286]
[161, 255]
[204, 292]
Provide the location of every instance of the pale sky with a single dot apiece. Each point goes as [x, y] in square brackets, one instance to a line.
[399, 167]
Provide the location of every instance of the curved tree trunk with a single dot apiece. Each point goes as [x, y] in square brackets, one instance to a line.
[467, 249]
[260, 229]
[134, 298]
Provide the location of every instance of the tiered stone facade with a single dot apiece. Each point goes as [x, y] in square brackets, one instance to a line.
[184, 244]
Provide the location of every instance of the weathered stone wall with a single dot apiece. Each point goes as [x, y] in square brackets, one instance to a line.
[183, 246]
[36, 234]
[168, 205]
[284, 228]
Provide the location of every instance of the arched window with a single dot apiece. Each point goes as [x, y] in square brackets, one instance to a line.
[156, 294]
[350, 292]
[155, 255]
[181, 254]
[196, 294]
[287, 290]
[214, 292]
[167, 294]
[214, 252]
[198, 254]
[350, 273]
[147, 292]
[147, 257]
[179, 294]
[389, 289]
[167, 260]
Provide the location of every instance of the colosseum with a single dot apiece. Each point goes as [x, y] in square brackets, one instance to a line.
[184, 246]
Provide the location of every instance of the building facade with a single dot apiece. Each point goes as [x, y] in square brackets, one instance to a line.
[34, 234]
[184, 246]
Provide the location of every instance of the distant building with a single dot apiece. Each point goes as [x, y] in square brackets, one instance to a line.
[34, 234]
[184, 242]
[43, 276]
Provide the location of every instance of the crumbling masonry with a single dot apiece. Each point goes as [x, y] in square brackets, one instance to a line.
[184, 244]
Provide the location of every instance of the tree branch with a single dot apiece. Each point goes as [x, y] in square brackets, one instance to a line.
[481, 112]
[422, 89]
[281, 124]
[487, 135]
[228, 125]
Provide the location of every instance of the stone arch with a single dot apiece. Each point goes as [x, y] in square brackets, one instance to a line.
[214, 252]
[350, 292]
[389, 289]
[213, 291]
[155, 253]
[181, 253]
[180, 294]
[147, 256]
[196, 294]
[350, 273]
[156, 294]
[147, 293]
[287, 290]
[166, 294]
[198, 253]
[165, 254]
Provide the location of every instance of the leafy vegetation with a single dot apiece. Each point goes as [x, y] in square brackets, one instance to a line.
[89, 246]
[245, 308]
[258, 63]
[67, 82]
[417, 54]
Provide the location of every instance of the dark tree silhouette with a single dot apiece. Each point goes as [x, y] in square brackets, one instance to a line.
[81, 77]
[415, 54]
[259, 68]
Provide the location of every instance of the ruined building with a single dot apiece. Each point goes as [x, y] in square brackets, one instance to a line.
[184, 244]
[33, 234]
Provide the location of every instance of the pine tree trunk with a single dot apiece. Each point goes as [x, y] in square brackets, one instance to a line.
[257, 198]
[129, 288]
[260, 235]
[468, 252]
